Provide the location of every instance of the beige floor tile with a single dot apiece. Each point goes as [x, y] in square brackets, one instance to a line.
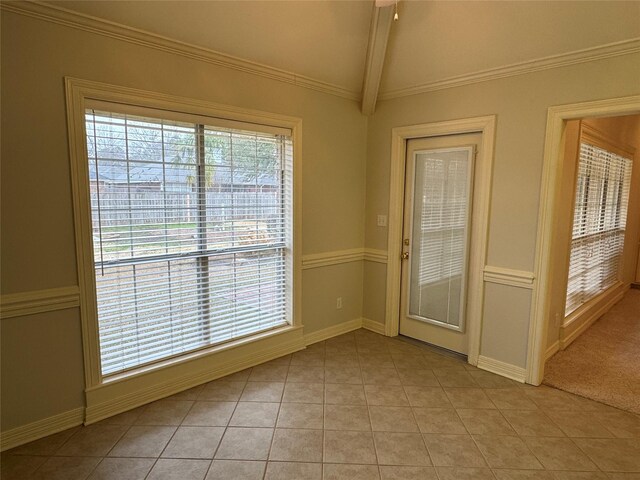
[392, 419]
[351, 375]
[310, 358]
[375, 359]
[451, 377]
[92, 441]
[209, 414]
[335, 471]
[45, 446]
[506, 452]
[432, 397]
[293, 471]
[419, 377]
[522, 475]
[245, 444]
[551, 399]
[241, 376]
[349, 447]
[578, 424]
[189, 394]
[621, 424]
[464, 473]
[380, 376]
[296, 445]
[19, 467]
[612, 454]
[623, 476]
[122, 469]
[143, 441]
[179, 469]
[165, 412]
[438, 420]
[125, 418]
[485, 422]
[346, 417]
[222, 391]
[236, 470]
[303, 393]
[262, 392]
[532, 423]
[397, 472]
[344, 394]
[582, 476]
[453, 451]
[66, 468]
[305, 374]
[409, 361]
[194, 442]
[255, 414]
[491, 380]
[389, 395]
[342, 359]
[510, 399]
[468, 398]
[269, 373]
[559, 454]
[401, 449]
[300, 415]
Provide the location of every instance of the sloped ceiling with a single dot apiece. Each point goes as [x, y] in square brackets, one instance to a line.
[327, 40]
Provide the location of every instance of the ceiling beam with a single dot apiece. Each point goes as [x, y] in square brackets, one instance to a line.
[378, 37]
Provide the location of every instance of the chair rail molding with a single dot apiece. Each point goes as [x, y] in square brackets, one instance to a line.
[508, 276]
[38, 301]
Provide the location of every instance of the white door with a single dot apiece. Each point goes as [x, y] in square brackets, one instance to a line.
[436, 239]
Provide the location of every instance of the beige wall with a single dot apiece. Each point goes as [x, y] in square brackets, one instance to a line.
[520, 104]
[624, 130]
[42, 354]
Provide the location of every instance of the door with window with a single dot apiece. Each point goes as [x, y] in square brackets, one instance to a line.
[438, 212]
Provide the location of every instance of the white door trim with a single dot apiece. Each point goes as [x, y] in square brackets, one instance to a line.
[553, 148]
[486, 126]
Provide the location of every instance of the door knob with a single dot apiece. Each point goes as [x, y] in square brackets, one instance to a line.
[404, 256]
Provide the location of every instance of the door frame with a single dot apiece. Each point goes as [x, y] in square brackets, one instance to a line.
[486, 126]
[541, 315]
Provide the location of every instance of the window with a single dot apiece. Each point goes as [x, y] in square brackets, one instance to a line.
[600, 212]
[192, 232]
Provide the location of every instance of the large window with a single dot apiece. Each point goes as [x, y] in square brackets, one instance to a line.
[600, 213]
[192, 232]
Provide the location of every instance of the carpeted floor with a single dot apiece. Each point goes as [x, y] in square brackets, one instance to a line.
[604, 362]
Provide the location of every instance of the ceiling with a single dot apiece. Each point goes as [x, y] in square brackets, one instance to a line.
[327, 40]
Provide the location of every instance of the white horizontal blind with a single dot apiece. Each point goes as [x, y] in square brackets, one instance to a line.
[440, 223]
[191, 235]
[600, 213]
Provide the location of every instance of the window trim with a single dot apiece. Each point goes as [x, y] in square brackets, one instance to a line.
[80, 92]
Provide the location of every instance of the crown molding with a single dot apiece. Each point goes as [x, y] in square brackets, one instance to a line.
[625, 47]
[98, 26]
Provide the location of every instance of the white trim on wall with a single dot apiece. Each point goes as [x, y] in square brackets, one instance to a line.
[332, 331]
[41, 428]
[338, 257]
[549, 207]
[486, 126]
[501, 368]
[39, 301]
[625, 47]
[98, 26]
[508, 276]
[373, 326]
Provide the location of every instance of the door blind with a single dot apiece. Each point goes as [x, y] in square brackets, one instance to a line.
[600, 213]
[191, 235]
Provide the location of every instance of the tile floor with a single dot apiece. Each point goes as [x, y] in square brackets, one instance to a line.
[359, 407]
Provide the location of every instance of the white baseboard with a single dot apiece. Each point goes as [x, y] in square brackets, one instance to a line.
[503, 369]
[41, 428]
[581, 322]
[154, 392]
[552, 350]
[374, 326]
[332, 331]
